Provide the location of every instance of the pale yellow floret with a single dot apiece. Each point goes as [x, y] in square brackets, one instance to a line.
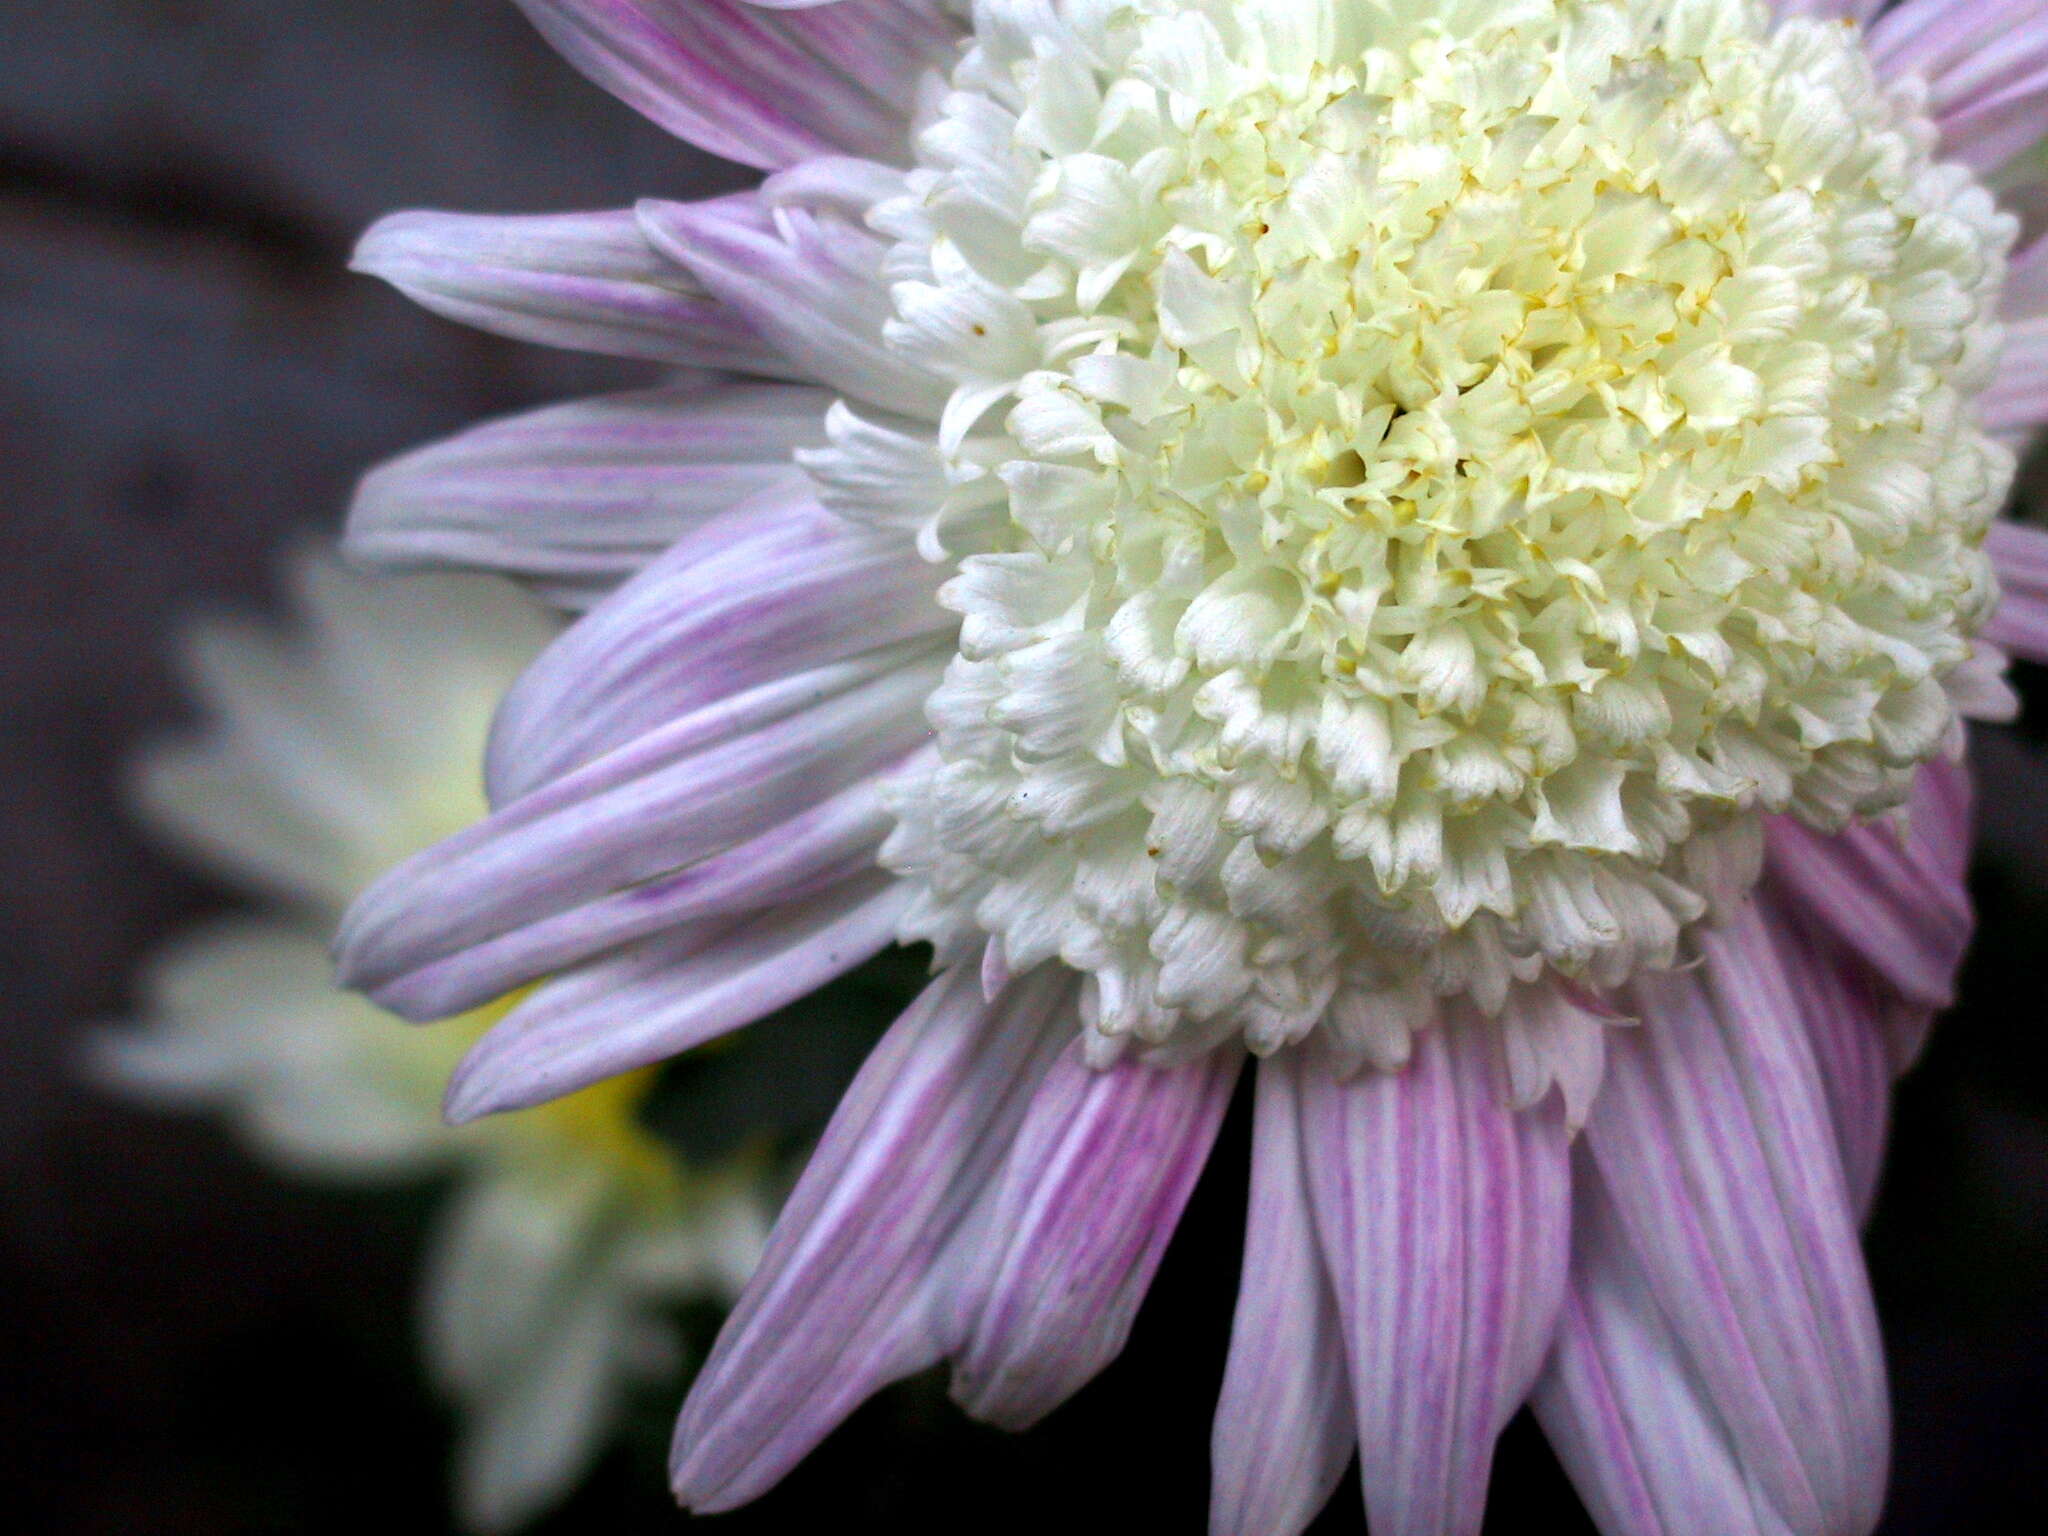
[1439, 475]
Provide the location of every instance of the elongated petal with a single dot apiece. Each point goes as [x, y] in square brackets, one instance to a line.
[764, 86]
[1840, 1004]
[1828, 10]
[1935, 850]
[771, 589]
[587, 281]
[1985, 68]
[1284, 1427]
[1623, 1408]
[516, 929]
[656, 1000]
[1713, 1139]
[1930, 857]
[1065, 1248]
[1444, 1218]
[578, 497]
[2016, 399]
[1898, 902]
[2020, 556]
[756, 819]
[850, 1294]
[2025, 294]
[1940, 39]
[811, 282]
[1999, 122]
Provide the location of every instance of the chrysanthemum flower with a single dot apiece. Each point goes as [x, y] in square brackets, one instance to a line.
[1439, 546]
[571, 1232]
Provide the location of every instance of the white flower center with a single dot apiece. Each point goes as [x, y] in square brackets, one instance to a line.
[1426, 479]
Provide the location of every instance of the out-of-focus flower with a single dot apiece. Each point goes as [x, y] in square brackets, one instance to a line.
[1446, 528]
[571, 1230]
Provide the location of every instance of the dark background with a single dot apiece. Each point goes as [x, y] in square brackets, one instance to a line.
[188, 377]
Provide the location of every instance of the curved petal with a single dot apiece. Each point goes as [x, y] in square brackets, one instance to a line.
[658, 999]
[1997, 122]
[1623, 1408]
[2016, 399]
[1827, 10]
[1985, 68]
[1924, 867]
[774, 588]
[577, 498]
[766, 86]
[1444, 1219]
[520, 903]
[590, 282]
[1838, 1001]
[809, 281]
[1714, 1142]
[1936, 39]
[2019, 554]
[851, 1292]
[1284, 1428]
[1938, 842]
[2026, 282]
[1896, 901]
[1065, 1246]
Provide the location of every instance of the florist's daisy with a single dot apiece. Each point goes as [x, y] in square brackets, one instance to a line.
[572, 1232]
[1441, 547]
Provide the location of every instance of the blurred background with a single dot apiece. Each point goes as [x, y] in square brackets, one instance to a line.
[189, 382]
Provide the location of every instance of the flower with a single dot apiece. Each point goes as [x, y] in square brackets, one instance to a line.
[571, 1229]
[1444, 548]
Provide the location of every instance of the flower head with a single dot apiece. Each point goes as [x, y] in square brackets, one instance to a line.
[323, 757]
[1387, 537]
[1460, 468]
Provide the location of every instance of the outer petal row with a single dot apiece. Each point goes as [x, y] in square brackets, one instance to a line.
[577, 498]
[688, 808]
[765, 86]
[1718, 1367]
[1404, 1264]
[590, 282]
[981, 1193]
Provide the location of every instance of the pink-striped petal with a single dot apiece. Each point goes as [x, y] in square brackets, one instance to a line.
[510, 906]
[1896, 902]
[2016, 399]
[2000, 122]
[765, 86]
[1841, 1005]
[1714, 1141]
[658, 999]
[2007, 45]
[1927, 37]
[1064, 1247]
[808, 280]
[1985, 66]
[683, 774]
[2025, 294]
[1284, 1425]
[2019, 554]
[1827, 10]
[775, 588]
[1625, 1411]
[590, 282]
[527, 872]
[1937, 844]
[1444, 1218]
[852, 1291]
[576, 498]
